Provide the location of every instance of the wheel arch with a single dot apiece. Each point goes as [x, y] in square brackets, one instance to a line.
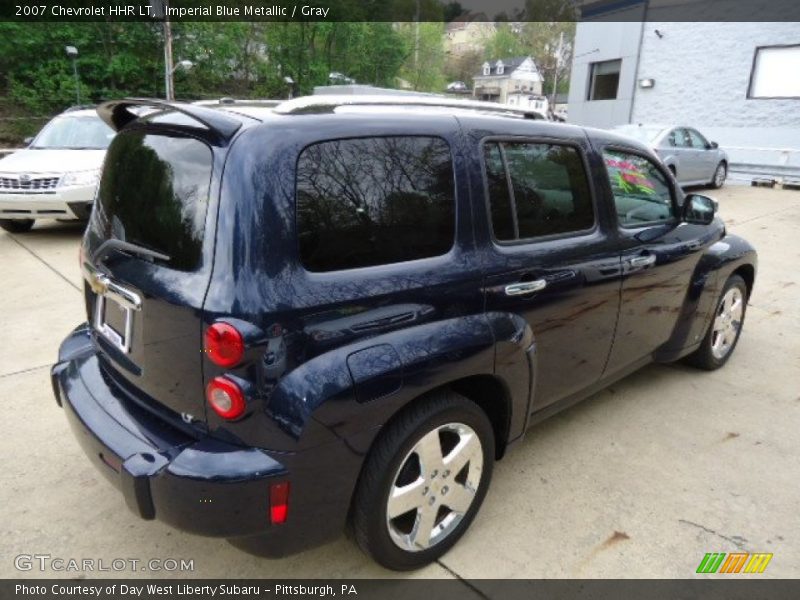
[748, 273]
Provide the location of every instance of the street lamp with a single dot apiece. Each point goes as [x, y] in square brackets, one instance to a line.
[183, 64]
[290, 84]
[72, 52]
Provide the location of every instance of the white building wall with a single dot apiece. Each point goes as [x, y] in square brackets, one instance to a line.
[702, 73]
[595, 42]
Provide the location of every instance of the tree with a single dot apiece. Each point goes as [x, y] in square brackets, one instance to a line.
[115, 59]
[425, 60]
[539, 40]
[543, 42]
[506, 42]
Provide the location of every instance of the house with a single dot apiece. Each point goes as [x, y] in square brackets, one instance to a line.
[467, 33]
[497, 79]
[738, 83]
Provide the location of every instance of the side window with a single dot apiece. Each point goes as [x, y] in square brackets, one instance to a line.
[374, 201]
[698, 141]
[673, 138]
[536, 190]
[641, 192]
[685, 139]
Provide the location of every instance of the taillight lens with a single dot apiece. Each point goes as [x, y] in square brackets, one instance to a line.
[226, 398]
[279, 502]
[224, 344]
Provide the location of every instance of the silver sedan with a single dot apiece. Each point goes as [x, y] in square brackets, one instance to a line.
[688, 154]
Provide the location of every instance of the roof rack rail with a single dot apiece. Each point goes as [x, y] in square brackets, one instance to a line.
[228, 101]
[117, 114]
[80, 107]
[328, 103]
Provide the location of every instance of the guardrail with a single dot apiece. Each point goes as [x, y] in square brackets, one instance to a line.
[754, 161]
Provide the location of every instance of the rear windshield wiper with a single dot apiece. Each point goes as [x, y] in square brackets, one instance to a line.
[116, 244]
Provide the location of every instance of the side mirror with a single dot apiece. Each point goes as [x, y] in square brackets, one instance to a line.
[27, 141]
[713, 145]
[699, 209]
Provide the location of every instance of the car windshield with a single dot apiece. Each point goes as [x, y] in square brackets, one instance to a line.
[74, 133]
[643, 133]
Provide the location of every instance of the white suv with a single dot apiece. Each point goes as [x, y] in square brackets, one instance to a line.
[55, 177]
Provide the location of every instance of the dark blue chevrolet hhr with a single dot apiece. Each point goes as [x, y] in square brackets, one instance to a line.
[341, 312]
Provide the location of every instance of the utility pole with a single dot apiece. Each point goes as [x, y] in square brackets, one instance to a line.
[169, 89]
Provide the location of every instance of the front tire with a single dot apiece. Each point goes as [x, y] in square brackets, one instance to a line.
[720, 174]
[424, 481]
[725, 329]
[16, 225]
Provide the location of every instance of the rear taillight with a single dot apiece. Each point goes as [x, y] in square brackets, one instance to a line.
[225, 397]
[224, 344]
[279, 502]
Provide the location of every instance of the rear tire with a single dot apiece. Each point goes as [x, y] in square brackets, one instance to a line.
[423, 481]
[17, 225]
[725, 328]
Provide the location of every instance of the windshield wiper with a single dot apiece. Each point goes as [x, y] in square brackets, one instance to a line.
[115, 244]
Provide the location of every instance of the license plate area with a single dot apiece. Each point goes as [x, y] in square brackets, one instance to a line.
[114, 322]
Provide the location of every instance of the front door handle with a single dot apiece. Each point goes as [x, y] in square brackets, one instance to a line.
[527, 287]
[642, 261]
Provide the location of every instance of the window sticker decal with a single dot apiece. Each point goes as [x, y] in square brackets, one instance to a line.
[630, 177]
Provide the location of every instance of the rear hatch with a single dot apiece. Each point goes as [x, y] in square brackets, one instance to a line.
[146, 271]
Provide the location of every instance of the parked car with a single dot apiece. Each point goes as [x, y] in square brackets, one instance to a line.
[56, 176]
[313, 316]
[686, 152]
[457, 86]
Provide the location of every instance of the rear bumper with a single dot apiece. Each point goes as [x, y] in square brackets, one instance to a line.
[60, 203]
[203, 486]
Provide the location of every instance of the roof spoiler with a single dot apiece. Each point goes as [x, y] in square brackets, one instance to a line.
[117, 114]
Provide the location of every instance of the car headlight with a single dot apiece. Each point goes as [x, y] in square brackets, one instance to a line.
[81, 178]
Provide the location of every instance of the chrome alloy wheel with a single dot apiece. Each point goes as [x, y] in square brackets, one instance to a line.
[727, 323]
[434, 487]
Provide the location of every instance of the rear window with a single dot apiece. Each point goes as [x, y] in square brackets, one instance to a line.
[154, 193]
[74, 133]
[374, 201]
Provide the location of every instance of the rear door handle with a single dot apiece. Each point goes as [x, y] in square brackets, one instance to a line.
[642, 261]
[527, 287]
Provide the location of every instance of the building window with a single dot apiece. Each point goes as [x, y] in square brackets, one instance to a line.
[486, 69]
[500, 67]
[604, 80]
[774, 73]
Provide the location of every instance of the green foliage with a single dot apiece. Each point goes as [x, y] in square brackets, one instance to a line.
[243, 59]
[541, 41]
[115, 59]
[424, 65]
[505, 43]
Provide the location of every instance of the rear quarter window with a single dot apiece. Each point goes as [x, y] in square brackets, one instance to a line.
[154, 193]
[374, 201]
